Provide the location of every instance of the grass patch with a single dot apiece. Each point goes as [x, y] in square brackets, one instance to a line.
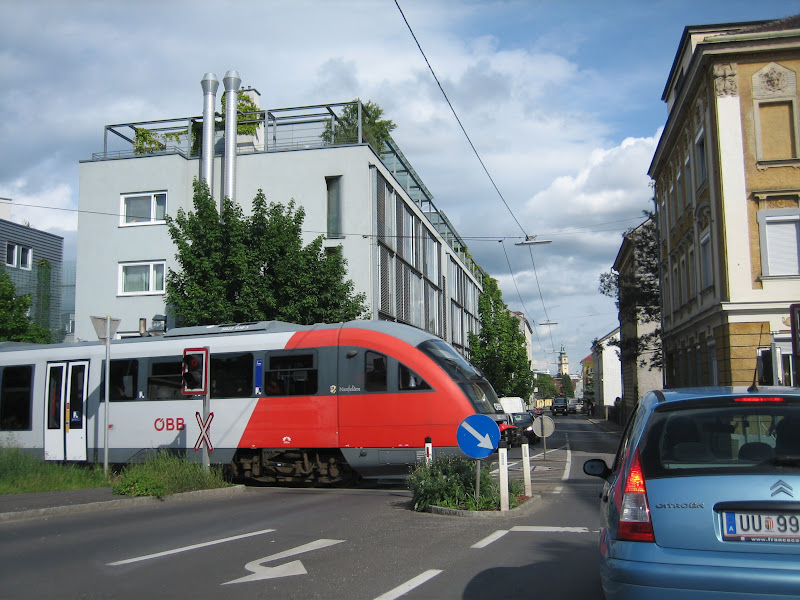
[165, 473]
[21, 473]
[450, 483]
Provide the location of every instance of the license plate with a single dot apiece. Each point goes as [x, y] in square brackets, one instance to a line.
[761, 527]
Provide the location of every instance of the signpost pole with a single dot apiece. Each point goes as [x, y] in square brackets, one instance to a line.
[526, 468]
[503, 454]
[105, 328]
[206, 410]
[477, 480]
[107, 396]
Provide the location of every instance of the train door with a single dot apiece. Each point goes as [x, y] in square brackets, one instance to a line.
[65, 413]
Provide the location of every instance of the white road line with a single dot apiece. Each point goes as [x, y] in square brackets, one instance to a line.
[565, 476]
[187, 548]
[547, 529]
[409, 585]
[490, 538]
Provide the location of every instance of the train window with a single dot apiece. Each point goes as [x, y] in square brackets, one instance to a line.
[408, 380]
[291, 375]
[16, 398]
[374, 372]
[165, 381]
[124, 381]
[231, 375]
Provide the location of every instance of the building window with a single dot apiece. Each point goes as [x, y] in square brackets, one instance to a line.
[706, 262]
[19, 256]
[700, 165]
[687, 182]
[143, 209]
[141, 278]
[780, 241]
[333, 185]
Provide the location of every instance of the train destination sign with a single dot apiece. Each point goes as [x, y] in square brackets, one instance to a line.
[478, 436]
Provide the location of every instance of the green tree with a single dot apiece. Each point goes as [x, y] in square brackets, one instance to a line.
[638, 294]
[15, 325]
[374, 130]
[235, 269]
[566, 385]
[499, 350]
[546, 386]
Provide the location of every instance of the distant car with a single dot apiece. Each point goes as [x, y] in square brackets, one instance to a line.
[574, 406]
[559, 406]
[703, 497]
[524, 421]
[536, 411]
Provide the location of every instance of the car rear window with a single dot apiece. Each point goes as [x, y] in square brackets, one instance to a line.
[722, 436]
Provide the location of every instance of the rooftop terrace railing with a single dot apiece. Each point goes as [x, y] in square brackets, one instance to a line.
[280, 130]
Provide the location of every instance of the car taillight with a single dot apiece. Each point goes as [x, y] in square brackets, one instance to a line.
[634, 512]
[760, 399]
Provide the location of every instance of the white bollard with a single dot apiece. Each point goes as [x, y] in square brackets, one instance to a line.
[526, 468]
[428, 450]
[503, 455]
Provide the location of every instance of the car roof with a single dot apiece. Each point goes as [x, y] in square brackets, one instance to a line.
[693, 393]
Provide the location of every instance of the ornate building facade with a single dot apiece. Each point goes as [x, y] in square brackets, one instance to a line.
[727, 195]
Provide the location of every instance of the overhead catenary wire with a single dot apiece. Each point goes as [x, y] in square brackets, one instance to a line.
[480, 160]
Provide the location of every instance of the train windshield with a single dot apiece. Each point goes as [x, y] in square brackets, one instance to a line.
[469, 379]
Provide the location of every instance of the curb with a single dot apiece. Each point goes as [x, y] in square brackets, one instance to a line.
[119, 503]
[485, 514]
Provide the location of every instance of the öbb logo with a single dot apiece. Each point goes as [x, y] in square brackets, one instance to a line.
[169, 424]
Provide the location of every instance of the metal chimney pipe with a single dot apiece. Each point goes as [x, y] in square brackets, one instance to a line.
[232, 82]
[210, 84]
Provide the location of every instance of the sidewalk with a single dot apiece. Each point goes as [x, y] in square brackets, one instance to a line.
[16, 507]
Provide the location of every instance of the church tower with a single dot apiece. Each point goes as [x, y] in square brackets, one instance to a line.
[563, 362]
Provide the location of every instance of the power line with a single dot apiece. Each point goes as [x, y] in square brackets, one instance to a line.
[480, 160]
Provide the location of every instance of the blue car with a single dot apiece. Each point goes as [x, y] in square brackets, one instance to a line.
[702, 500]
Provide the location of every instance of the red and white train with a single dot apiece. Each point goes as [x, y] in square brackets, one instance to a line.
[324, 403]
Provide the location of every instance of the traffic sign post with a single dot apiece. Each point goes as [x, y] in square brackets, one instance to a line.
[477, 437]
[544, 427]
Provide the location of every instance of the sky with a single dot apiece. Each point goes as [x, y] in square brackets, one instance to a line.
[561, 100]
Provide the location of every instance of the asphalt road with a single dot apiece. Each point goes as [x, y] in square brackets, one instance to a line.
[326, 543]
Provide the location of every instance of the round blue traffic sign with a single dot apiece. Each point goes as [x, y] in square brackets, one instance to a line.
[478, 436]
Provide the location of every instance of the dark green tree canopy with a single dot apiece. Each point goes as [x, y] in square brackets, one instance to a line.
[567, 389]
[546, 386]
[499, 350]
[375, 131]
[15, 325]
[235, 269]
[638, 294]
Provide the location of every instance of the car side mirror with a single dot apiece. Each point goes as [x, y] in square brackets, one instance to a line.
[596, 467]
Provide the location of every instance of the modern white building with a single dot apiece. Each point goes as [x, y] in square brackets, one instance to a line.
[402, 252]
[607, 372]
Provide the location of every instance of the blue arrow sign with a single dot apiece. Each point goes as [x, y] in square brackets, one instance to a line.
[478, 436]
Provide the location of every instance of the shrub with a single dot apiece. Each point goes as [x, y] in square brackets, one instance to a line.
[449, 482]
[21, 472]
[165, 473]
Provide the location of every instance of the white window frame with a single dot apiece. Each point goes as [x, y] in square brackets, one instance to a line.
[777, 216]
[15, 252]
[150, 291]
[123, 213]
[23, 256]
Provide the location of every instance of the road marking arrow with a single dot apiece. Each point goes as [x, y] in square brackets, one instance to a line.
[483, 440]
[259, 571]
